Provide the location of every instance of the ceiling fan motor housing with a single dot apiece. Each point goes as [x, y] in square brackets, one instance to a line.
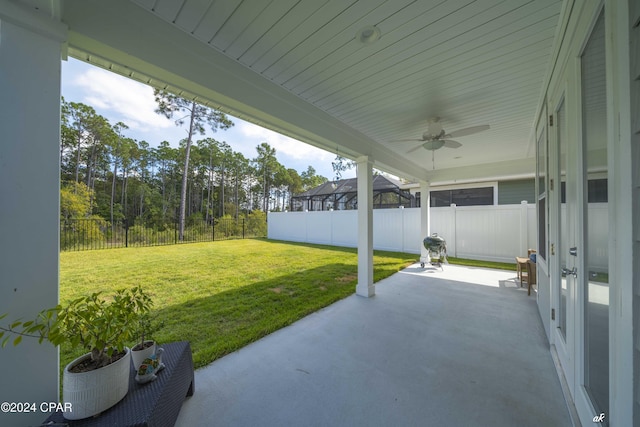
[429, 136]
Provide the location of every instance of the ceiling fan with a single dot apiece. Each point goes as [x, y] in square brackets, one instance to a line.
[436, 137]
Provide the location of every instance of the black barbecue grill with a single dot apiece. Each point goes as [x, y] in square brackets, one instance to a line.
[436, 247]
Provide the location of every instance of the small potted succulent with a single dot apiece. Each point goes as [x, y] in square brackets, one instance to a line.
[99, 379]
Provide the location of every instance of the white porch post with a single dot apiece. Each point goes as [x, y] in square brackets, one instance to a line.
[364, 173]
[425, 221]
[30, 51]
[524, 227]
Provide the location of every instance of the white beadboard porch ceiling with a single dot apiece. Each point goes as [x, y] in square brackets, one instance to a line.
[469, 62]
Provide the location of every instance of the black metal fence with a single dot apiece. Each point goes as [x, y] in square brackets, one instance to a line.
[89, 234]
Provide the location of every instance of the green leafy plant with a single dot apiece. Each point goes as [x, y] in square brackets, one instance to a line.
[100, 325]
[146, 327]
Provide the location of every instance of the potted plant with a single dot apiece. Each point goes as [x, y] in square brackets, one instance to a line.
[99, 379]
[146, 345]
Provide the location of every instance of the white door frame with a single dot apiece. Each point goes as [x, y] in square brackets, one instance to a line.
[565, 346]
[566, 85]
[582, 401]
[578, 21]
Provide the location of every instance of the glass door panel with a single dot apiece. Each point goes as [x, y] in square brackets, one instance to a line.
[595, 273]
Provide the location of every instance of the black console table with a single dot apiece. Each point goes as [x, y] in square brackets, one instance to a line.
[147, 405]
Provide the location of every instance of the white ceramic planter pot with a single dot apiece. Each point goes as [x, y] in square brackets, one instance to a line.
[138, 356]
[93, 392]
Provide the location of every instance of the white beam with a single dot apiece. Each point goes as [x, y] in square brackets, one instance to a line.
[30, 48]
[364, 172]
[497, 171]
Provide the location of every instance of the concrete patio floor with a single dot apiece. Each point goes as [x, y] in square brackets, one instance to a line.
[459, 347]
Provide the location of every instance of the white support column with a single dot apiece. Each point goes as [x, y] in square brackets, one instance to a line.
[425, 221]
[524, 227]
[30, 52]
[364, 173]
[452, 248]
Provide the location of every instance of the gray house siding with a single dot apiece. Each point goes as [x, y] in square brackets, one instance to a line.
[514, 192]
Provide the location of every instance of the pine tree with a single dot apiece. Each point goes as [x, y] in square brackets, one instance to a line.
[197, 116]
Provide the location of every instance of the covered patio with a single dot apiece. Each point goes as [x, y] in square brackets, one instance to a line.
[439, 92]
[459, 347]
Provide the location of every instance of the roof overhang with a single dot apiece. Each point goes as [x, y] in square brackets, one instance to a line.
[502, 52]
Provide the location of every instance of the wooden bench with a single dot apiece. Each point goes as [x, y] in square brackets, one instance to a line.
[153, 404]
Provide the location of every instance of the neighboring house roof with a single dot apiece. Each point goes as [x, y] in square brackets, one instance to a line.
[342, 186]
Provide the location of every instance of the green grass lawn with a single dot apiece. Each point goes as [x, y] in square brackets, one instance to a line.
[482, 264]
[221, 296]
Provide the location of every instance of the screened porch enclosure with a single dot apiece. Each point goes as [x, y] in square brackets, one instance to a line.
[342, 195]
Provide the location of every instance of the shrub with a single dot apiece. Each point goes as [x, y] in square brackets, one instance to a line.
[82, 232]
[97, 324]
[256, 224]
[139, 234]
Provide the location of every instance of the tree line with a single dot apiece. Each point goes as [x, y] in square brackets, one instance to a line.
[106, 174]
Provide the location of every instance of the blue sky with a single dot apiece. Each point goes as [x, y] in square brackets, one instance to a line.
[121, 99]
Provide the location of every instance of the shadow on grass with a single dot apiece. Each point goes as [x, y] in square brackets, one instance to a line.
[345, 249]
[314, 245]
[220, 323]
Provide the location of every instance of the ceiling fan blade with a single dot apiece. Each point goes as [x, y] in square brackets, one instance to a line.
[467, 131]
[407, 140]
[451, 144]
[414, 149]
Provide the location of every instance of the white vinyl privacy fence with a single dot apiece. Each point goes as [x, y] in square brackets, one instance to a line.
[492, 233]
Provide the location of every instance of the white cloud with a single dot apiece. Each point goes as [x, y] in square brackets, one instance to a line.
[130, 101]
[283, 144]
[121, 99]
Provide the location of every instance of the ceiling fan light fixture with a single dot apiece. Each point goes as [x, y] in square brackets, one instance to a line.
[368, 34]
[434, 145]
